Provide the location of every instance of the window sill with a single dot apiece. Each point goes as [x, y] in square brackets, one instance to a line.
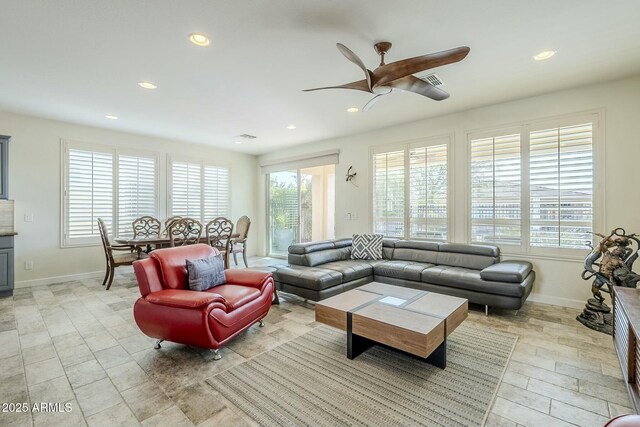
[550, 257]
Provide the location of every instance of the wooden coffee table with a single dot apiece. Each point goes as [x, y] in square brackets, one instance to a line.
[410, 320]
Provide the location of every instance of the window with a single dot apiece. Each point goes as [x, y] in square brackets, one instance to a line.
[411, 191]
[98, 186]
[561, 186]
[533, 186]
[199, 191]
[136, 190]
[88, 195]
[495, 189]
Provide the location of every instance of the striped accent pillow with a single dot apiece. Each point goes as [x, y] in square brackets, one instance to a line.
[366, 246]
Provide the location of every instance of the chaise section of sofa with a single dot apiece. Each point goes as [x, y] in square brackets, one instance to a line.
[318, 270]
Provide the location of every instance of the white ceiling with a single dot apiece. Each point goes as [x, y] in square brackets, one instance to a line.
[77, 60]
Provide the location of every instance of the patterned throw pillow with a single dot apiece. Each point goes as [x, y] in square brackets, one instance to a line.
[366, 246]
[205, 273]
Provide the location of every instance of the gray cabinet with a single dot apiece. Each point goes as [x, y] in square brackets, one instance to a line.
[6, 266]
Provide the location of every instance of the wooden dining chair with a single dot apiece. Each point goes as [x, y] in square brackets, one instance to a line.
[239, 239]
[146, 227]
[168, 222]
[113, 258]
[218, 232]
[185, 231]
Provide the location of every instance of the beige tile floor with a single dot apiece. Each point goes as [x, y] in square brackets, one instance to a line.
[76, 343]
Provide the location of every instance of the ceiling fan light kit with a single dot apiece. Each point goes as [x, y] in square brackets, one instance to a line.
[400, 74]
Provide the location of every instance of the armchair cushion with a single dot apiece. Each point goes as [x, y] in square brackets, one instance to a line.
[205, 273]
[173, 267]
[245, 277]
[236, 296]
[184, 299]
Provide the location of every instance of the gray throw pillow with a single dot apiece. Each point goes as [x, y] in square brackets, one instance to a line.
[366, 246]
[205, 273]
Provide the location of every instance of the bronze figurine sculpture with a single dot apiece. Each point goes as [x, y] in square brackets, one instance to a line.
[609, 263]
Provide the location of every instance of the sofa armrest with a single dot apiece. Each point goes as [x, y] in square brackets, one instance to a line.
[252, 278]
[507, 271]
[184, 299]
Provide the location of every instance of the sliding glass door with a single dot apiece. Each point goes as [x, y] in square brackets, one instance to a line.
[300, 206]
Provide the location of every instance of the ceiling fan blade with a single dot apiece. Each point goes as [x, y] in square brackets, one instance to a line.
[419, 86]
[348, 53]
[396, 70]
[372, 102]
[359, 85]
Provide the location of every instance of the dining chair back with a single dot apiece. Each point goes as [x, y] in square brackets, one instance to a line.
[146, 226]
[185, 231]
[113, 259]
[239, 241]
[168, 222]
[219, 231]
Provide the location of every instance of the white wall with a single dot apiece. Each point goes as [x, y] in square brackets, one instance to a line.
[558, 280]
[35, 185]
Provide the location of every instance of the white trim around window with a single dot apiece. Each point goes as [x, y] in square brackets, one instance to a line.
[525, 130]
[426, 158]
[96, 194]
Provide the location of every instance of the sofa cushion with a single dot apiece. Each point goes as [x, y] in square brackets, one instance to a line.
[416, 250]
[309, 247]
[407, 270]
[235, 295]
[351, 269]
[314, 278]
[507, 271]
[467, 256]
[366, 246]
[466, 278]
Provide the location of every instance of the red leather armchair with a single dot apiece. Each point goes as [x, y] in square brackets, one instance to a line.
[169, 310]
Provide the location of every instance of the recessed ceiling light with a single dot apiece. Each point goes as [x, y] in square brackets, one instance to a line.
[111, 117]
[237, 142]
[199, 39]
[353, 109]
[545, 54]
[147, 85]
[291, 127]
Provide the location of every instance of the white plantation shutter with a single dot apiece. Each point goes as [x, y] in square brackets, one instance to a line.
[496, 190]
[136, 190]
[89, 195]
[186, 191]
[428, 192]
[216, 192]
[561, 186]
[388, 193]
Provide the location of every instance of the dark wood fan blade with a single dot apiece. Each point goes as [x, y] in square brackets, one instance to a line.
[348, 53]
[359, 85]
[396, 70]
[416, 85]
[372, 102]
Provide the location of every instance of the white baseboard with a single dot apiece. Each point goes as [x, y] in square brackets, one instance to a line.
[59, 279]
[551, 300]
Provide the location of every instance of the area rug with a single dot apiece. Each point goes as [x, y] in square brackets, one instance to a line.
[310, 382]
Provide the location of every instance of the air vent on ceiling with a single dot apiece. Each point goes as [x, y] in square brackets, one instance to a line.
[247, 136]
[432, 79]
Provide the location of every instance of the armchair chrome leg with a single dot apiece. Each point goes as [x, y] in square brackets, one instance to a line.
[157, 346]
[216, 354]
[486, 310]
[261, 323]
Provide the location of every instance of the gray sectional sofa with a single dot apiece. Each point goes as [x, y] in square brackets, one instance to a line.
[318, 270]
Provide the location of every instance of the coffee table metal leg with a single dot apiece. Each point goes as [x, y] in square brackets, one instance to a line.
[356, 345]
[439, 356]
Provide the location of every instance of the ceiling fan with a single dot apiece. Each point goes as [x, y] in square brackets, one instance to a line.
[398, 75]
